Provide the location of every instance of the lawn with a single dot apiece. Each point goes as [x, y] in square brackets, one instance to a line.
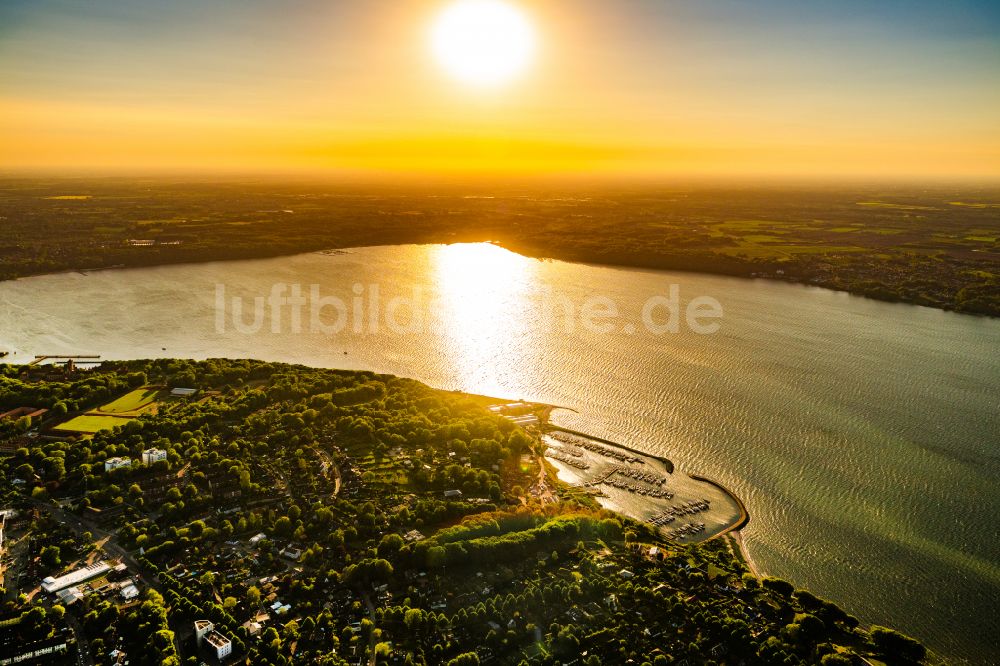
[90, 423]
[134, 403]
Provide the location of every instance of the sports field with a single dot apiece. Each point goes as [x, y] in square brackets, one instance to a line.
[118, 412]
[134, 403]
[91, 423]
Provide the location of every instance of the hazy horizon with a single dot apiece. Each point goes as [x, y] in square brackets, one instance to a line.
[383, 180]
[452, 332]
[624, 90]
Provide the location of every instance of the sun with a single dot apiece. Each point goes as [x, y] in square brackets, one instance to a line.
[483, 42]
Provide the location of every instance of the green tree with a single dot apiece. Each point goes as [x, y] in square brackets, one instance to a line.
[891, 643]
[283, 526]
[50, 556]
[465, 659]
[782, 587]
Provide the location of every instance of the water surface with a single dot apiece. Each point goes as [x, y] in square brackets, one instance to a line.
[863, 436]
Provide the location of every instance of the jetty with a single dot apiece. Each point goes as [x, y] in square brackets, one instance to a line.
[674, 512]
[690, 529]
[567, 460]
[86, 358]
[589, 441]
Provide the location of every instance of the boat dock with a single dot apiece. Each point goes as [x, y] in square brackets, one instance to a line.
[41, 358]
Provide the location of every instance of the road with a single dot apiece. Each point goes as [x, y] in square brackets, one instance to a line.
[111, 548]
[82, 653]
[79, 525]
[371, 639]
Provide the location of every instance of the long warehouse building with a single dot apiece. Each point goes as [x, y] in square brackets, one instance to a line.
[51, 584]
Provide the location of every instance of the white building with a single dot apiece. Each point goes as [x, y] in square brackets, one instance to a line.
[129, 592]
[292, 552]
[69, 596]
[205, 633]
[222, 646]
[51, 584]
[116, 463]
[182, 392]
[413, 536]
[202, 629]
[150, 456]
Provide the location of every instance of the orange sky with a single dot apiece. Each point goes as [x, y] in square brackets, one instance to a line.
[622, 88]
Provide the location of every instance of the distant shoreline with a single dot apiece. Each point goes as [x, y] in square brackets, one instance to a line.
[662, 264]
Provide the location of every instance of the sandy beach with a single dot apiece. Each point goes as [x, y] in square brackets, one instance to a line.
[737, 538]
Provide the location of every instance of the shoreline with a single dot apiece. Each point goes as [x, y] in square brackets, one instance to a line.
[544, 410]
[736, 537]
[802, 281]
[744, 519]
[731, 530]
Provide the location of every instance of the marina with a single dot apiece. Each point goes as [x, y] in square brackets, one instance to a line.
[671, 514]
[643, 487]
[734, 407]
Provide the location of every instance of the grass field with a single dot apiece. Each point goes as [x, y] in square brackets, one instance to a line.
[118, 412]
[91, 423]
[132, 404]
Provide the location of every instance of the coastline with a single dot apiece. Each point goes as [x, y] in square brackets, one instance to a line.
[758, 272]
[733, 529]
[740, 550]
[732, 534]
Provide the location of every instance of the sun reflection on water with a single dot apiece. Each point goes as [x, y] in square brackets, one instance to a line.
[486, 298]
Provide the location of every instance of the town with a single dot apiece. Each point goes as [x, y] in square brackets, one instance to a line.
[241, 512]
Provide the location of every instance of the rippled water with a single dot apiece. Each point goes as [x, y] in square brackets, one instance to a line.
[863, 436]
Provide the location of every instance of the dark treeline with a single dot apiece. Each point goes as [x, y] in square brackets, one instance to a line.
[929, 246]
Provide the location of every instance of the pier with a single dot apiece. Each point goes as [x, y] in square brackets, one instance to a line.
[685, 509]
[636, 481]
[555, 431]
[41, 358]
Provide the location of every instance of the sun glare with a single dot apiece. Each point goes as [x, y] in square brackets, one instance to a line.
[483, 42]
[483, 293]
